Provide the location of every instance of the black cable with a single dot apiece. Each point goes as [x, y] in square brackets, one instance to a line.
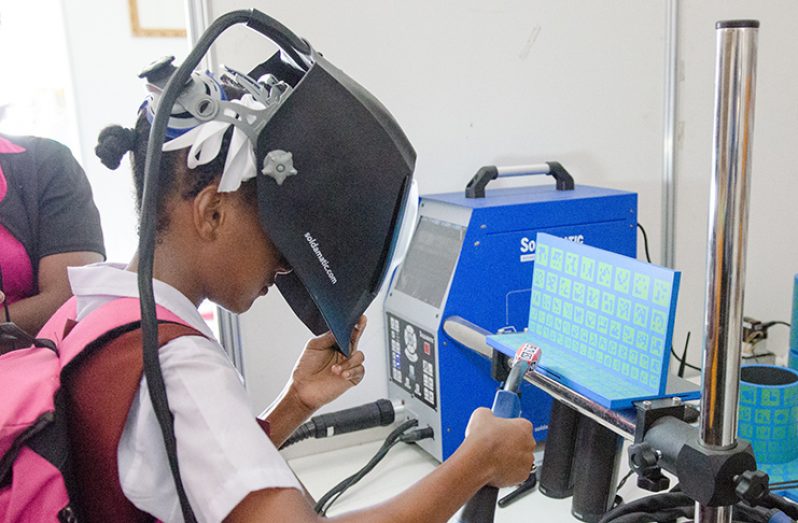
[323, 504]
[667, 507]
[147, 232]
[756, 357]
[293, 45]
[334, 493]
[780, 503]
[645, 242]
[683, 360]
[343, 486]
[375, 414]
[683, 363]
[623, 480]
[398, 435]
[769, 324]
[646, 505]
[784, 485]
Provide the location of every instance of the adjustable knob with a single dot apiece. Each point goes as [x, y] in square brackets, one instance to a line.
[653, 481]
[644, 461]
[642, 457]
[752, 485]
[159, 71]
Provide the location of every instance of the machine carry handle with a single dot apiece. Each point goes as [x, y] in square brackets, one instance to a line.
[476, 187]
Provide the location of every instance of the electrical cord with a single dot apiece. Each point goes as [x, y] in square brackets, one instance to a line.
[334, 493]
[376, 414]
[399, 435]
[327, 499]
[785, 485]
[645, 242]
[683, 360]
[671, 505]
[624, 480]
[332, 496]
[758, 334]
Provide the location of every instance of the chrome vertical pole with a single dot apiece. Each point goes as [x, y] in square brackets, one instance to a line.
[735, 79]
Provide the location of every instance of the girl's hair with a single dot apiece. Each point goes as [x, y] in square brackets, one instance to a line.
[174, 176]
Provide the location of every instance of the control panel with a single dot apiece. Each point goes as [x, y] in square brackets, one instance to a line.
[412, 357]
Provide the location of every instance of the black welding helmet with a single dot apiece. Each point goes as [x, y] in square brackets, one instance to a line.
[333, 171]
[338, 218]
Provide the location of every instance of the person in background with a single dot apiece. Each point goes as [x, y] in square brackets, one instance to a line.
[48, 222]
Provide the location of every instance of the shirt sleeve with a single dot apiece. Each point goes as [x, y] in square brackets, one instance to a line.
[68, 219]
[222, 452]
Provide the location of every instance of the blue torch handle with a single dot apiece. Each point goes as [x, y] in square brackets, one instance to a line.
[506, 404]
[482, 507]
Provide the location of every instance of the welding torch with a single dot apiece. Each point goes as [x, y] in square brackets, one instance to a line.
[506, 404]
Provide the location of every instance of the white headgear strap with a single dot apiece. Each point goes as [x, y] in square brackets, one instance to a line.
[248, 116]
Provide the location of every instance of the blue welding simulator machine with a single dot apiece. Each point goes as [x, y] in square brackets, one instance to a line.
[472, 256]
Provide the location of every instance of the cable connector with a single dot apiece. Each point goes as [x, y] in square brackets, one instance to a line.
[412, 436]
[377, 414]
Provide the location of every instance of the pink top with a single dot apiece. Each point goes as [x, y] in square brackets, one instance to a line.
[17, 271]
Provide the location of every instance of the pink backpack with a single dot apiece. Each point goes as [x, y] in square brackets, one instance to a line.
[63, 411]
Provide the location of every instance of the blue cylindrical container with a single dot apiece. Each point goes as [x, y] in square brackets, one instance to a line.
[769, 412]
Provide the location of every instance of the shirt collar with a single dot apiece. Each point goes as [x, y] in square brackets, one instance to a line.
[111, 280]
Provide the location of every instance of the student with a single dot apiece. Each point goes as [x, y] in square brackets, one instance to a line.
[211, 245]
[48, 222]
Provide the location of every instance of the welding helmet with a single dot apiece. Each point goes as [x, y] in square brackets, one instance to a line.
[333, 171]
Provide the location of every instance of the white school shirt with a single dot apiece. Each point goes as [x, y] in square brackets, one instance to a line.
[222, 451]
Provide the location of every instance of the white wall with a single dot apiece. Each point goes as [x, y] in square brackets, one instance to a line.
[511, 81]
[34, 103]
[105, 61]
[475, 83]
[773, 228]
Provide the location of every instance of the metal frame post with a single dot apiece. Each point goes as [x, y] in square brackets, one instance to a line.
[735, 81]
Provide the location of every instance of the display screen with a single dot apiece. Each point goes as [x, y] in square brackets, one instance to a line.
[430, 260]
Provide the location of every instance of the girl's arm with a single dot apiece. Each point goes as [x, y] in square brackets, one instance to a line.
[496, 451]
[30, 314]
[320, 375]
[285, 415]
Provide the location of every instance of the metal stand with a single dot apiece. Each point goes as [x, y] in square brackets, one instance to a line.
[735, 81]
[712, 466]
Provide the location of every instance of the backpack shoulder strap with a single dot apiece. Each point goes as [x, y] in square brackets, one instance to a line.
[59, 323]
[103, 324]
[99, 389]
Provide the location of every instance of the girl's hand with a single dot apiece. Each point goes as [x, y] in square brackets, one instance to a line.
[507, 443]
[322, 373]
